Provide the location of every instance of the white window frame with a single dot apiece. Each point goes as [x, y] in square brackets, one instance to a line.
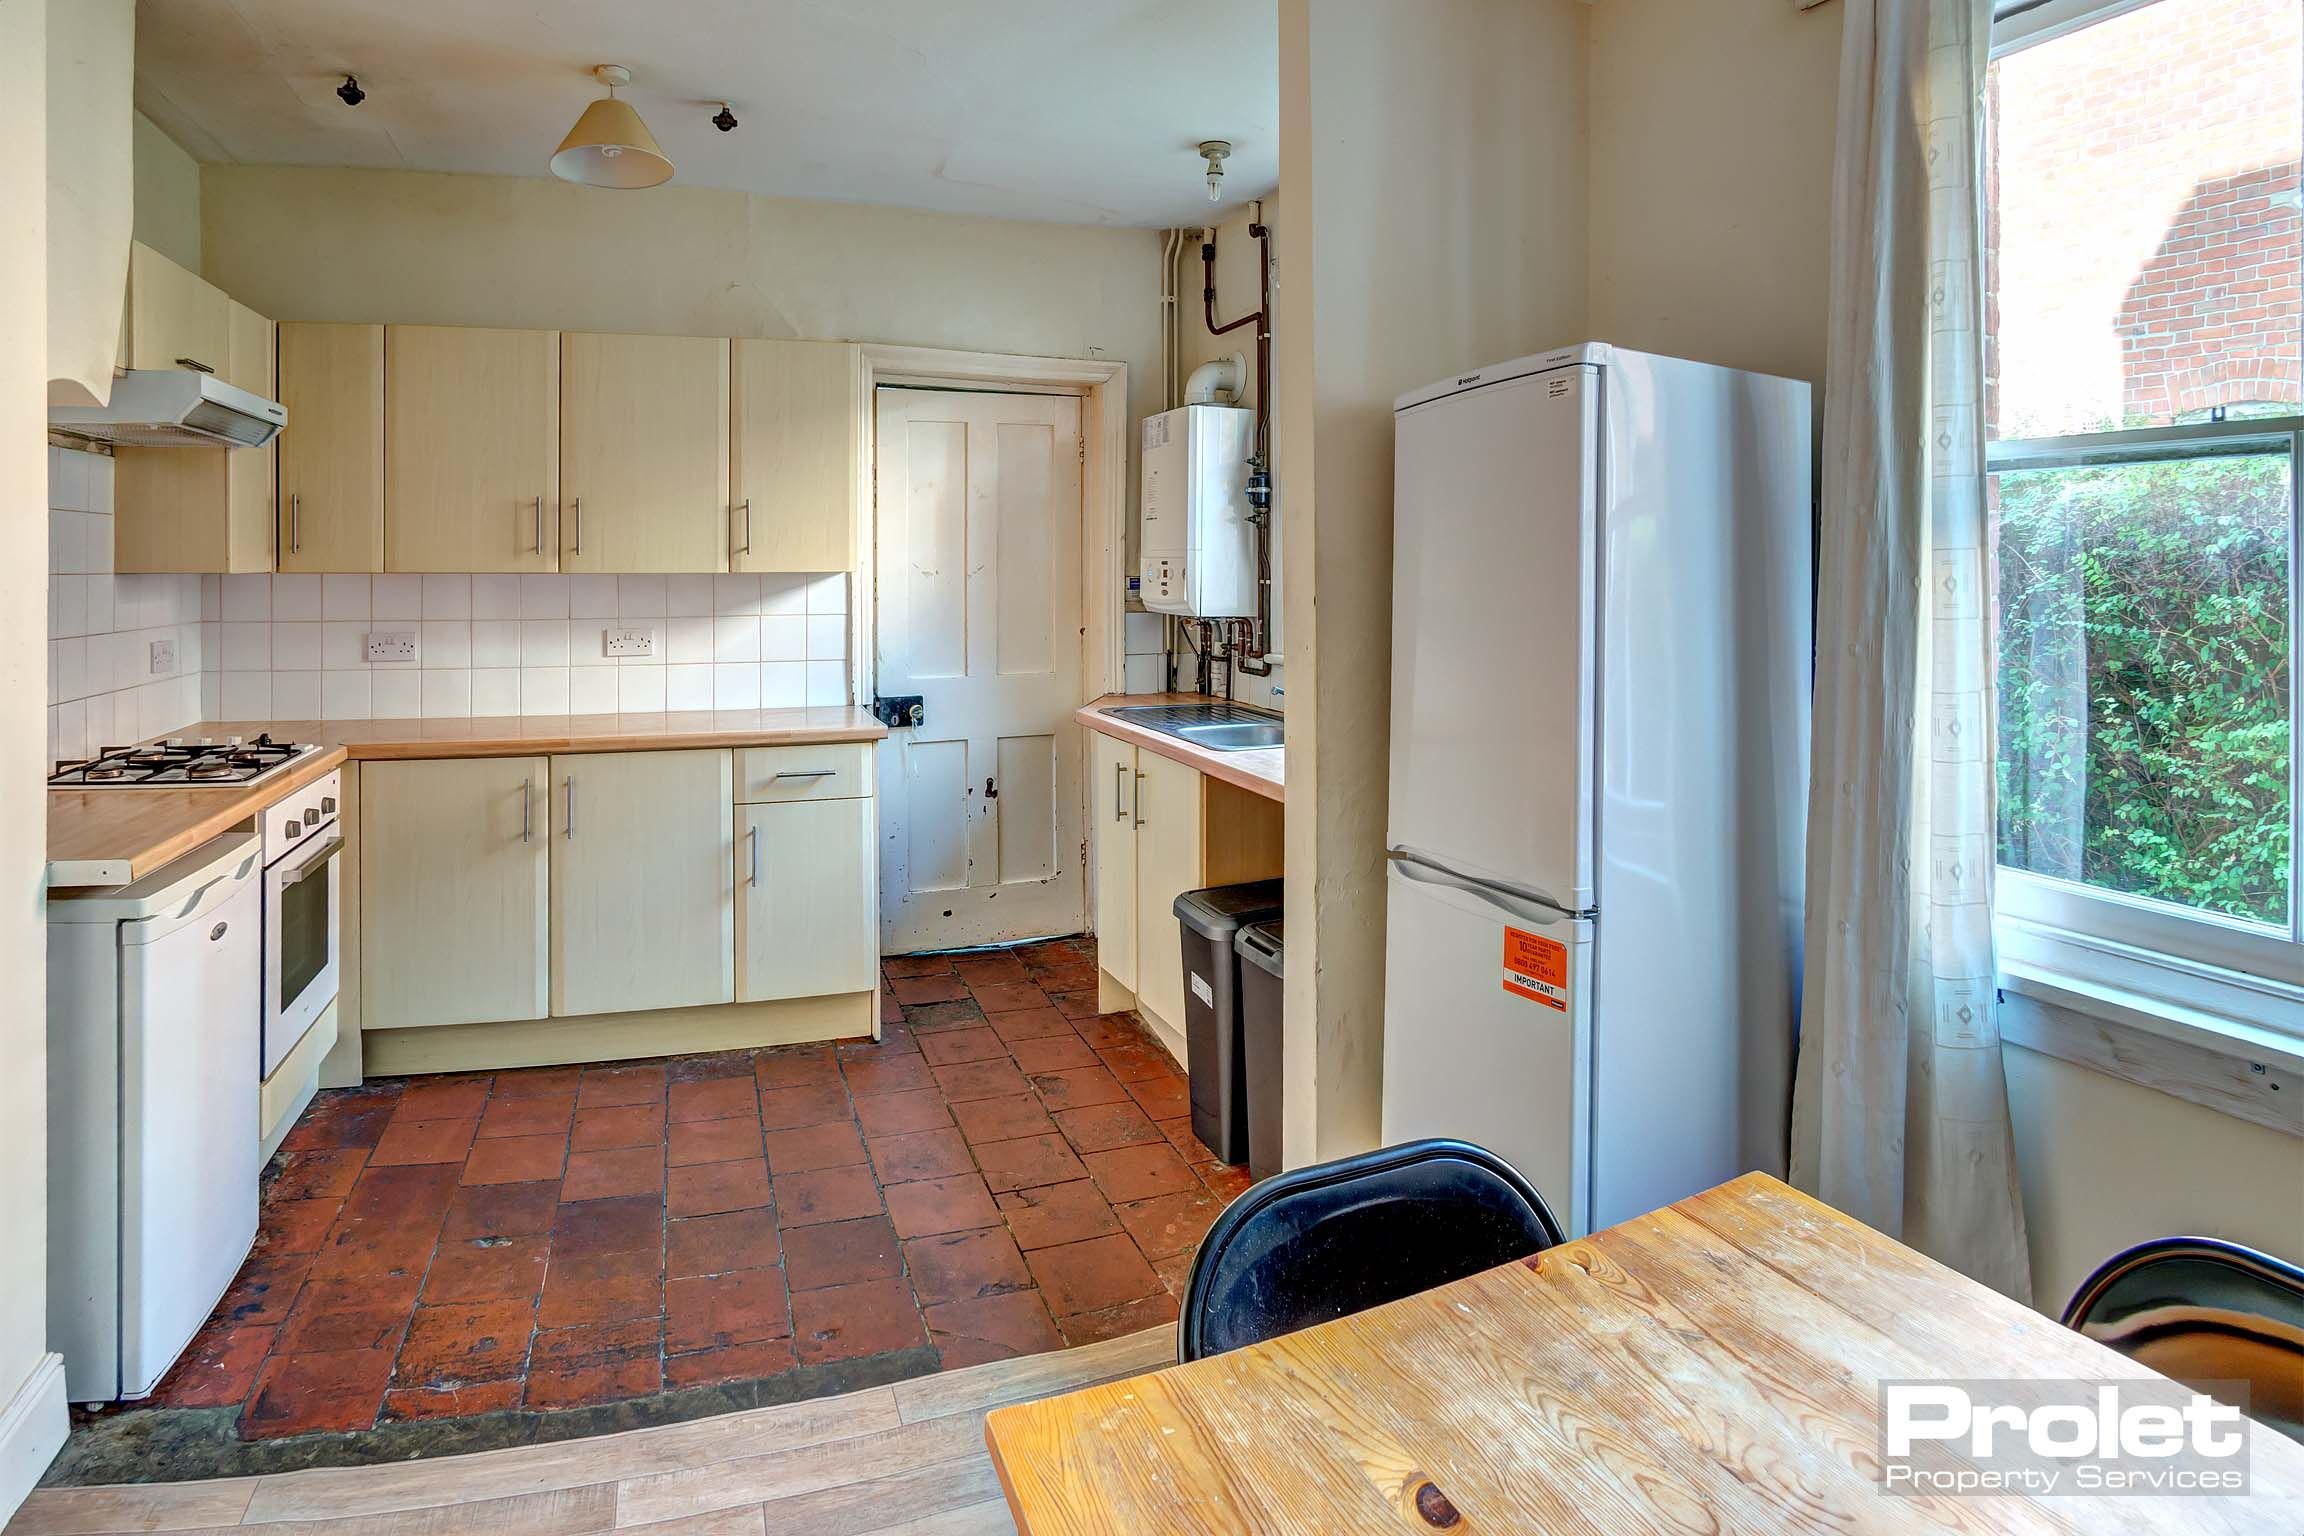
[2065, 941]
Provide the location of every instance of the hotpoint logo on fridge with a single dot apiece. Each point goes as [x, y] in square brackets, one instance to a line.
[2043, 1438]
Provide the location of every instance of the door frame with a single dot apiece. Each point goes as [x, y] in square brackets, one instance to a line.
[1102, 387]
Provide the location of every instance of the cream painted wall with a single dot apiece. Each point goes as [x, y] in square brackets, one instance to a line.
[2107, 1163]
[31, 1391]
[91, 49]
[1711, 177]
[167, 195]
[1434, 161]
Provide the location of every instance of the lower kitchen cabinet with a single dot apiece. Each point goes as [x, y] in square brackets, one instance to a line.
[1112, 819]
[1168, 863]
[643, 899]
[807, 917]
[454, 889]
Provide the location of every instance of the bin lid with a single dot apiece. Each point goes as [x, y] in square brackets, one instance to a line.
[1218, 911]
[1262, 946]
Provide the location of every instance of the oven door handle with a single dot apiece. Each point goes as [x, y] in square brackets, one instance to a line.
[313, 860]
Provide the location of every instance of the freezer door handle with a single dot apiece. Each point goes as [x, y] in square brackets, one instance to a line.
[1503, 893]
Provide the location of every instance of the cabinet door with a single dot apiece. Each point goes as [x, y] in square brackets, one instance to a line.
[453, 891]
[1168, 817]
[807, 907]
[250, 473]
[643, 882]
[796, 411]
[201, 509]
[472, 448]
[332, 450]
[1112, 822]
[174, 319]
[643, 453]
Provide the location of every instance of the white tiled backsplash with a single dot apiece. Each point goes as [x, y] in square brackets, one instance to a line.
[103, 688]
[1144, 661]
[292, 647]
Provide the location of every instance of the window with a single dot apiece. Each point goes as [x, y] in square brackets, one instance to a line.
[2144, 354]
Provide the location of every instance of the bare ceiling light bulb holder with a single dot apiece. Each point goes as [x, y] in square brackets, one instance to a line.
[610, 146]
[350, 93]
[724, 120]
[1215, 152]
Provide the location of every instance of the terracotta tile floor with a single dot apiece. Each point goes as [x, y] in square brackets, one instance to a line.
[1004, 1172]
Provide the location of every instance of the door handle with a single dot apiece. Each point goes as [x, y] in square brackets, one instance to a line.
[754, 837]
[579, 526]
[568, 787]
[295, 523]
[746, 507]
[539, 525]
[1139, 797]
[527, 809]
[809, 773]
[1119, 782]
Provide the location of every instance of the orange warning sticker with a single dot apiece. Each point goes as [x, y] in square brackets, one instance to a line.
[1536, 968]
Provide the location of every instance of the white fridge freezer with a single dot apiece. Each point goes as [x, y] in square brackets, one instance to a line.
[1601, 655]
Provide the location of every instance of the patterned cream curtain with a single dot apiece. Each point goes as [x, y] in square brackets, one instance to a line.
[1900, 1108]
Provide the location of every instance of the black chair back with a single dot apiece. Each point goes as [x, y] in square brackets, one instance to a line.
[2204, 1310]
[1316, 1243]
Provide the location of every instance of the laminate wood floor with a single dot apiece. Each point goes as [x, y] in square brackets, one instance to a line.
[905, 1458]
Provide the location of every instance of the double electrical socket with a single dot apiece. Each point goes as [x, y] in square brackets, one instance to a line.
[163, 657]
[628, 641]
[391, 645]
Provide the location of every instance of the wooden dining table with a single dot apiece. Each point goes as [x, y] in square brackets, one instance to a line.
[1713, 1366]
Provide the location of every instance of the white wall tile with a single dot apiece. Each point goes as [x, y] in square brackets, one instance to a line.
[69, 676]
[783, 684]
[736, 685]
[736, 594]
[544, 597]
[495, 690]
[398, 596]
[296, 647]
[592, 690]
[639, 690]
[344, 597]
[543, 643]
[496, 642]
[67, 605]
[296, 595]
[783, 594]
[100, 600]
[211, 695]
[827, 682]
[588, 644]
[784, 637]
[447, 597]
[247, 647]
[68, 478]
[640, 597]
[543, 690]
[735, 639]
[827, 637]
[1143, 634]
[591, 597]
[688, 595]
[296, 695]
[395, 695]
[687, 640]
[496, 597]
[247, 696]
[447, 693]
[71, 730]
[445, 643]
[344, 696]
[247, 599]
[1140, 674]
[344, 645]
[829, 593]
[688, 687]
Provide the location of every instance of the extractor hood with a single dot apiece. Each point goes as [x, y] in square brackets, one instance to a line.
[174, 408]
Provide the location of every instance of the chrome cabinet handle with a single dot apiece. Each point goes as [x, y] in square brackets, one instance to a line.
[1119, 782]
[569, 786]
[809, 773]
[755, 840]
[194, 364]
[747, 525]
[527, 809]
[579, 526]
[1139, 797]
[539, 525]
[295, 523]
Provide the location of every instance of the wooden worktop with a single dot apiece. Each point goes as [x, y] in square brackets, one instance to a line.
[1261, 771]
[112, 836]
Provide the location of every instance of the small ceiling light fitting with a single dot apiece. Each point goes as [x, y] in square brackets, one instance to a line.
[350, 93]
[610, 146]
[724, 120]
[1215, 152]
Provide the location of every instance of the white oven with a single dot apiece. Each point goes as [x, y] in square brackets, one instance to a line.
[303, 903]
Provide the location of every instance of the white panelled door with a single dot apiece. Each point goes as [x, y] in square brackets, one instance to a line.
[979, 612]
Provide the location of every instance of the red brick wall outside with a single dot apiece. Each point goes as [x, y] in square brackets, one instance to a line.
[2143, 231]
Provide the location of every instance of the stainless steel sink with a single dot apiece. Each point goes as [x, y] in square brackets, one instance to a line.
[1216, 725]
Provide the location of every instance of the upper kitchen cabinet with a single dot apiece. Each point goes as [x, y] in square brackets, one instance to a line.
[472, 449]
[175, 320]
[643, 453]
[795, 411]
[332, 450]
[202, 509]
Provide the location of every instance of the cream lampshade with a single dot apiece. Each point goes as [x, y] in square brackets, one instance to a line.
[610, 146]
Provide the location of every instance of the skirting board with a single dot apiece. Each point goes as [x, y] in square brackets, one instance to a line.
[617, 1036]
[32, 1431]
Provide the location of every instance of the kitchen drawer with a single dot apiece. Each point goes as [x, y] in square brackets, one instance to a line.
[832, 770]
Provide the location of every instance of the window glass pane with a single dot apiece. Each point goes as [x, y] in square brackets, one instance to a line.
[2143, 225]
[2144, 739]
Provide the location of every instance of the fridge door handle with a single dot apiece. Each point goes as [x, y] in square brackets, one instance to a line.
[1508, 894]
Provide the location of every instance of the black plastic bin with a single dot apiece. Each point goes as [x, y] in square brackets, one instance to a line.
[1262, 950]
[1210, 920]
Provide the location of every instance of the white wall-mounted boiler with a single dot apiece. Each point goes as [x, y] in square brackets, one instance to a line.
[1197, 551]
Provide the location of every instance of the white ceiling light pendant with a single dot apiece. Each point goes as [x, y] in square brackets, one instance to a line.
[610, 146]
[1215, 152]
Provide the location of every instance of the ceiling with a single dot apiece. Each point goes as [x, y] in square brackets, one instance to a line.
[1076, 111]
